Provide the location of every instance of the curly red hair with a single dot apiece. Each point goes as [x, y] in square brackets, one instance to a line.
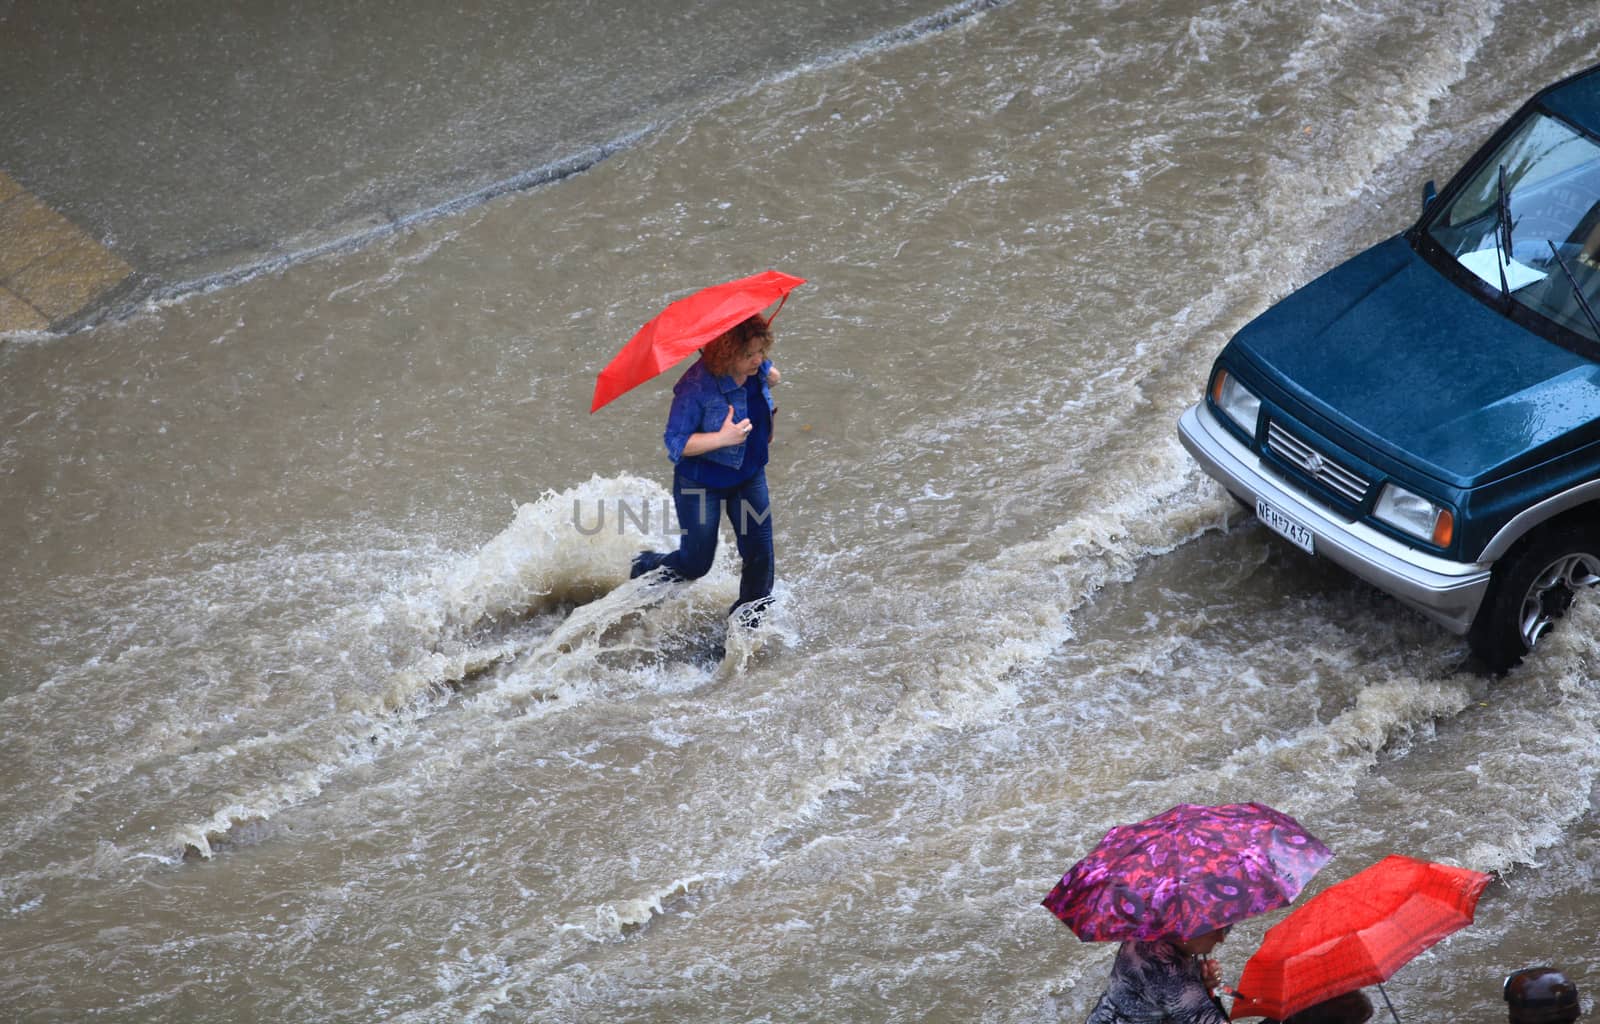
[727, 348]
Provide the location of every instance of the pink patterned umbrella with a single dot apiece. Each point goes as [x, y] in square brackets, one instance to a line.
[1185, 872]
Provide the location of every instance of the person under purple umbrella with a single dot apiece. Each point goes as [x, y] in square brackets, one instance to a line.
[1170, 980]
[1168, 889]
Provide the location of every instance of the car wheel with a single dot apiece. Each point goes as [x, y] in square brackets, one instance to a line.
[1532, 587]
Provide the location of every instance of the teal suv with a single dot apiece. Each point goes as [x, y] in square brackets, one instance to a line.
[1427, 414]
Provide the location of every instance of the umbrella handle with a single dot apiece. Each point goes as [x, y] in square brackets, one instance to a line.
[1386, 1002]
[781, 300]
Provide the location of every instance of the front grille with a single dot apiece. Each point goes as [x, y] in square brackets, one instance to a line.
[1342, 481]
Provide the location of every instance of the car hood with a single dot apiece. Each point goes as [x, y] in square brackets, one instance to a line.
[1406, 362]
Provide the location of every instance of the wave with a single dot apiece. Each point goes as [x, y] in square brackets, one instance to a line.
[969, 679]
[1379, 118]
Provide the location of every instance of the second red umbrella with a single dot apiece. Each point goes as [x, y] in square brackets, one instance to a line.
[1355, 933]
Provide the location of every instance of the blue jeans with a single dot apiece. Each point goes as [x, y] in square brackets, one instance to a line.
[700, 509]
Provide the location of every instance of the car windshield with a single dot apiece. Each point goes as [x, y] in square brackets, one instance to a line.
[1544, 183]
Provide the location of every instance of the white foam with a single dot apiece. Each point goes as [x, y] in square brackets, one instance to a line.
[550, 553]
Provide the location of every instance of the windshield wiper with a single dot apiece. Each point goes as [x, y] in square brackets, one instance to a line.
[1577, 292]
[1502, 232]
[1504, 199]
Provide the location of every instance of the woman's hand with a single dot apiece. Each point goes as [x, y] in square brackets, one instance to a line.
[732, 433]
[725, 436]
[773, 376]
[1211, 974]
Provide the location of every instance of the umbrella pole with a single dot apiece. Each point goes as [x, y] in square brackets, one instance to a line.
[1386, 1002]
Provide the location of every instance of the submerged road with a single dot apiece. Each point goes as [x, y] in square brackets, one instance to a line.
[297, 579]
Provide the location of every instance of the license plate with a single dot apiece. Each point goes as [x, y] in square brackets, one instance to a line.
[1297, 534]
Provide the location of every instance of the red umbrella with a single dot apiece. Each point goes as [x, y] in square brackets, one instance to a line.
[1354, 933]
[686, 326]
[1185, 872]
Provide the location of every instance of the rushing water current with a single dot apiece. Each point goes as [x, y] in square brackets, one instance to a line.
[326, 697]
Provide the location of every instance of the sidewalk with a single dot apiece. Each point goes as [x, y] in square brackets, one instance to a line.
[49, 268]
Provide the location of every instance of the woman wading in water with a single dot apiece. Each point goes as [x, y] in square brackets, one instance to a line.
[717, 436]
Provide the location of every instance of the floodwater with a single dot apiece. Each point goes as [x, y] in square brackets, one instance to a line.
[325, 698]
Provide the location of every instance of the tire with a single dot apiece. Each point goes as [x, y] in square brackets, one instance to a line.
[1532, 587]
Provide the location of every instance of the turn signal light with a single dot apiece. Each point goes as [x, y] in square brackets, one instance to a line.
[1444, 528]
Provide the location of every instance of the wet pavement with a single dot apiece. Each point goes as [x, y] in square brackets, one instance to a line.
[152, 152]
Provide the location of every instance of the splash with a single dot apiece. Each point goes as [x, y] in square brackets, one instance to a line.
[540, 618]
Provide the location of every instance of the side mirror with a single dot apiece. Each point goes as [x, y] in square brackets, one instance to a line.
[1429, 194]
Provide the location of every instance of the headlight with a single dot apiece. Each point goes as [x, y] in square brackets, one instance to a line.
[1235, 399]
[1416, 515]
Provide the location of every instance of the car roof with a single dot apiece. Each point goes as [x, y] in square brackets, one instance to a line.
[1576, 100]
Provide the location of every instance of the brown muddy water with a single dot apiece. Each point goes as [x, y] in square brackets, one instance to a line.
[324, 699]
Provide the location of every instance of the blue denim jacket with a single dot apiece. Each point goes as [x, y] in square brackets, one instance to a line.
[700, 403]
